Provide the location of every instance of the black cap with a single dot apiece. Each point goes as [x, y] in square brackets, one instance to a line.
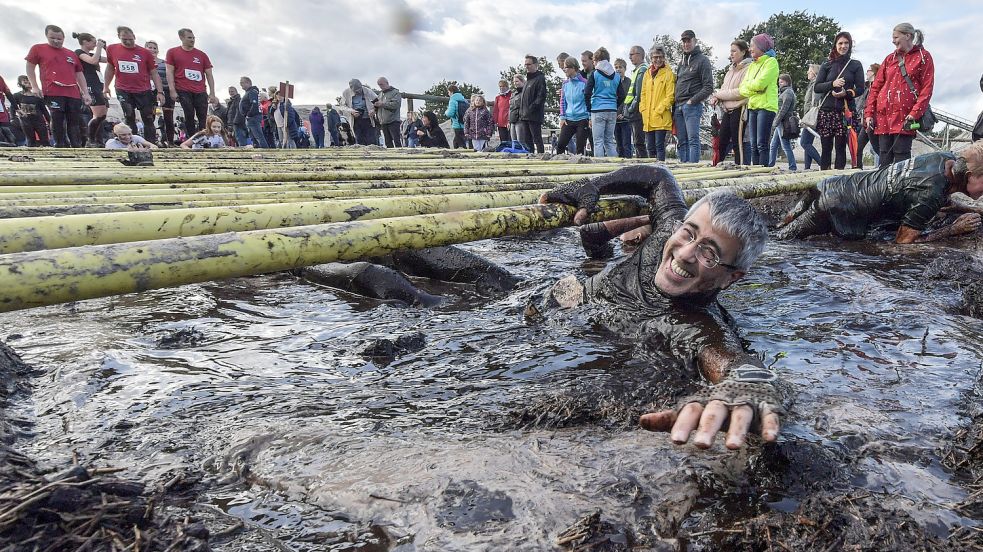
[687, 34]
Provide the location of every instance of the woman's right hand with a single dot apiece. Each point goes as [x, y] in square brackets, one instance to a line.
[838, 83]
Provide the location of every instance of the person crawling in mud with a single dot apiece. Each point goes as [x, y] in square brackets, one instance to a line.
[907, 194]
[666, 293]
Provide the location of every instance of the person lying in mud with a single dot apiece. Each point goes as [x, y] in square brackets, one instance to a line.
[383, 278]
[907, 194]
[666, 293]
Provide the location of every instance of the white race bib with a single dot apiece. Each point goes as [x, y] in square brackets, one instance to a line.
[192, 75]
[129, 67]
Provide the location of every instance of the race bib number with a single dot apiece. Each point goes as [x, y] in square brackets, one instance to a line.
[128, 67]
[192, 75]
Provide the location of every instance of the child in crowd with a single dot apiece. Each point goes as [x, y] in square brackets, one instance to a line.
[478, 123]
[209, 137]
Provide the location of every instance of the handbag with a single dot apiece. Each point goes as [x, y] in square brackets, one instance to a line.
[791, 127]
[811, 118]
[927, 120]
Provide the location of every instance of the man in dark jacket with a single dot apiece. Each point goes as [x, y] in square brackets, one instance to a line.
[532, 106]
[235, 121]
[249, 109]
[637, 57]
[332, 120]
[694, 84]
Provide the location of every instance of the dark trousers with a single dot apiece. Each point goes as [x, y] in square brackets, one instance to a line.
[335, 137]
[732, 137]
[534, 136]
[638, 138]
[655, 144]
[145, 103]
[459, 141]
[894, 148]
[391, 133]
[364, 133]
[318, 135]
[568, 130]
[826, 153]
[66, 120]
[195, 107]
[622, 138]
[35, 130]
[168, 112]
[863, 139]
[503, 135]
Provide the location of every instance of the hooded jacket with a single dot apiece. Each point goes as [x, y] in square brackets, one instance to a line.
[573, 103]
[452, 107]
[249, 103]
[694, 78]
[232, 114]
[786, 107]
[532, 104]
[478, 123]
[729, 93]
[317, 121]
[501, 109]
[391, 101]
[603, 89]
[890, 100]
[657, 97]
[760, 83]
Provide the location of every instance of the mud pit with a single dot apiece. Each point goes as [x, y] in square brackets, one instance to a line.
[501, 434]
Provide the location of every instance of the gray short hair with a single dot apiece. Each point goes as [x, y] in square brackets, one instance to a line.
[734, 215]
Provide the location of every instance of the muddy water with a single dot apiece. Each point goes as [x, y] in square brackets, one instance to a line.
[500, 434]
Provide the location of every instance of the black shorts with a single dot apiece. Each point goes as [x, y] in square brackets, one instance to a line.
[98, 98]
[67, 106]
[137, 101]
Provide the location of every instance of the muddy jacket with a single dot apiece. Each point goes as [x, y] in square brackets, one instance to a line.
[388, 110]
[694, 78]
[909, 192]
[890, 100]
[625, 296]
[729, 93]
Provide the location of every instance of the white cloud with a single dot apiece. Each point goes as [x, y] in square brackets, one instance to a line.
[320, 46]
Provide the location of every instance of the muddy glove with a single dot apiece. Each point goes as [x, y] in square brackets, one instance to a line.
[582, 194]
[747, 384]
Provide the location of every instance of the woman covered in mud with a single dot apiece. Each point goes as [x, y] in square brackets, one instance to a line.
[666, 293]
[907, 195]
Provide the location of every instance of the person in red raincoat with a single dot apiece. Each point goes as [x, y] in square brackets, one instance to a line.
[891, 105]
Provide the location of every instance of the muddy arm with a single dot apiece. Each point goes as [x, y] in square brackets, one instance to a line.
[962, 203]
[967, 223]
[653, 182]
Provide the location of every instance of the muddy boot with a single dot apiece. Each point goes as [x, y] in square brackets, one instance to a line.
[596, 239]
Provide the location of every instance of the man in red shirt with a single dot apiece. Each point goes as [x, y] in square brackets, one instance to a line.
[188, 68]
[6, 133]
[134, 69]
[62, 85]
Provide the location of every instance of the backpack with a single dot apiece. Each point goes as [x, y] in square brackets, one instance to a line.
[462, 108]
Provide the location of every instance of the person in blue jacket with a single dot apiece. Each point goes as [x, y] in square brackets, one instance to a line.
[604, 96]
[574, 117]
[456, 114]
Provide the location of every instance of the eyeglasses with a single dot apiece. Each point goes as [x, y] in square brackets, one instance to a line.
[704, 253]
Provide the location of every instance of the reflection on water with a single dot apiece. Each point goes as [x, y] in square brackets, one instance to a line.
[439, 446]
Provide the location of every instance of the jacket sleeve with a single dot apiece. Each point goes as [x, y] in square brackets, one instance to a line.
[824, 83]
[665, 105]
[784, 109]
[636, 100]
[731, 94]
[589, 90]
[858, 79]
[622, 92]
[451, 111]
[706, 78]
[925, 88]
[875, 89]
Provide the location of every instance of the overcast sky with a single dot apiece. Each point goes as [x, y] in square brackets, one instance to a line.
[415, 43]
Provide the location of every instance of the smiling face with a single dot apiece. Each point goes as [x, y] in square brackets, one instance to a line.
[843, 45]
[681, 273]
[124, 137]
[902, 41]
[152, 46]
[216, 127]
[658, 59]
[688, 44]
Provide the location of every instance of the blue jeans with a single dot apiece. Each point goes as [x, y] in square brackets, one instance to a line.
[687, 118]
[242, 138]
[254, 125]
[776, 139]
[759, 128]
[602, 124]
[655, 144]
[810, 151]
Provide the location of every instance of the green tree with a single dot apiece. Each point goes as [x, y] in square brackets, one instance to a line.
[801, 38]
[440, 89]
[674, 49]
[553, 84]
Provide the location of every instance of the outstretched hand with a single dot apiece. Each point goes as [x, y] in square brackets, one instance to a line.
[579, 218]
[581, 194]
[709, 420]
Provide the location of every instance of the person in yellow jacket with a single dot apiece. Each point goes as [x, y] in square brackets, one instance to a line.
[760, 87]
[655, 103]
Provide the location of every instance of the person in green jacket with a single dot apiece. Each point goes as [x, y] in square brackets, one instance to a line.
[456, 114]
[760, 87]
